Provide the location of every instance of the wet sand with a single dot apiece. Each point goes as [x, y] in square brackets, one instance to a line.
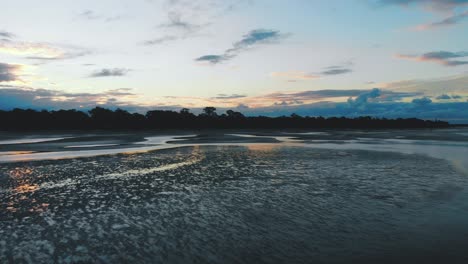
[238, 196]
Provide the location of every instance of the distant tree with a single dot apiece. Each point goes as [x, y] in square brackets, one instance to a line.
[234, 114]
[184, 111]
[100, 113]
[209, 111]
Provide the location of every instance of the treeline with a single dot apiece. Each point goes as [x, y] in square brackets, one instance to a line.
[101, 118]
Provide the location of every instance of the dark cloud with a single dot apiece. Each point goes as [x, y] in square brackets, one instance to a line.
[25, 97]
[213, 59]
[362, 99]
[356, 97]
[110, 72]
[8, 72]
[453, 112]
[286, 103]
[336, 71]
[445, 58]
[161, 40]
[422, 101]
[448, 97]
[6, 34]
[433, 4]
[229, 96]
[444, 97]
[449, 21]
[258, 36]
[248, 41]
[444, 55]
[89, 14]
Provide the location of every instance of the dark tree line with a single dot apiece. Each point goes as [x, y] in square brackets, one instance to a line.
[101, 118]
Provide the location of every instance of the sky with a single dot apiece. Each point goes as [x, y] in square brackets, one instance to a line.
[383, 58]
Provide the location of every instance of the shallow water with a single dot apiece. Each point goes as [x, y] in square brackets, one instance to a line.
[296, 201]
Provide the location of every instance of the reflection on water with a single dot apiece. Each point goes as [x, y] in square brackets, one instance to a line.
[262, 147]
[91, 145]
[16, 153]
[151, 143]
[455, 152]
[29, 140]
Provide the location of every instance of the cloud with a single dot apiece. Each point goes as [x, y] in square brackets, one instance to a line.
[110, 72]
[434, 5]
[445, 58]
[422, 101]
[336, 70]
[432, 87]
[25, 97]
[452, 112]
[6, 34]
[186, 18]
[176, 22]
[443, 97]
[448, 97]
[250, 40]
[294, 75]
[361, 96]
[258, 36]
[8, 72]
[180, 29]
[449, 21]
[41, 51]
[229, 96]
[161, 40]
[282, 98]
[213, 59]
[91, 15]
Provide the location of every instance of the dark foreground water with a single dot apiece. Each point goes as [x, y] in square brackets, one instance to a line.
[253, 203]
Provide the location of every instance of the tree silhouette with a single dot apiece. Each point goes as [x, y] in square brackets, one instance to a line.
[210, 111]
[102, 118]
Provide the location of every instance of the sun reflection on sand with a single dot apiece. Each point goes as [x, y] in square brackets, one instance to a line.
[3, 153]
[26, 188]
[262, 147]
[20, 194]
[20, 172]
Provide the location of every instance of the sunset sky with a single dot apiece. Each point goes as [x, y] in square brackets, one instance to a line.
[393, 58]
